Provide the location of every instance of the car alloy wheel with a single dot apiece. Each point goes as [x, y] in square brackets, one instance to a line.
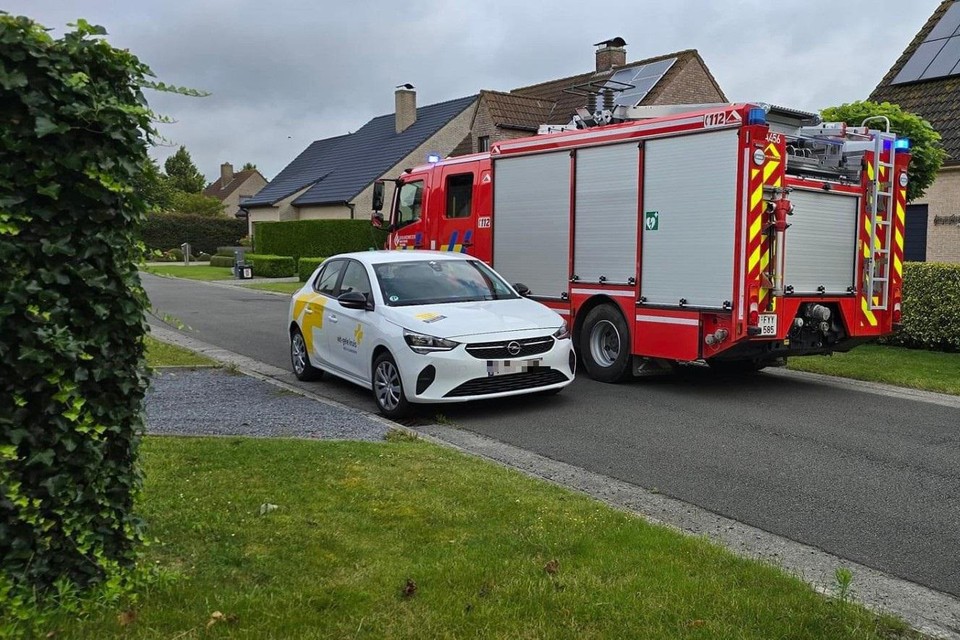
[300, 359]
[388, 388]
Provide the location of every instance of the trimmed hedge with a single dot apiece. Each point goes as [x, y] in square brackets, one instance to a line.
[204, 233]
[221, 261]
[267, 266]
[306, 267]
[931, 307]
[305, 238]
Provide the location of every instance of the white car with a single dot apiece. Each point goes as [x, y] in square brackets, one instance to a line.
[425, 327]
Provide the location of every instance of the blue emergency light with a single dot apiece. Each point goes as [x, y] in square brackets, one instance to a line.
[902, 144]
[757, 116]
[433, 158]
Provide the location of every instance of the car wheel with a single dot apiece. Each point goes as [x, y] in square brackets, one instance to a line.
[388, 388]
[605, 344]
[300, 359]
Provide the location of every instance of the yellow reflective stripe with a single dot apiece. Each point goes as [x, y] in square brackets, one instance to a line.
[872, 319]
[901, 213]
[870, 170]
[897, 265]
[772, 150]
[755, 228]
[778, 182]
[756, 197]
[764, 260]
[769, 169]
[754, 259]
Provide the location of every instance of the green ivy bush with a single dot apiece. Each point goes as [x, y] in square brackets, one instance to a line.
[204, 233]
[931, 307]
[306, 267]
[305, 238]
[267, 266]
[72, 374]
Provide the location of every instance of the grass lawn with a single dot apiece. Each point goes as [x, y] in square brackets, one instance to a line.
[405, 539]
[282, 287]
[161, 354]
[928, 370]
[193, 272]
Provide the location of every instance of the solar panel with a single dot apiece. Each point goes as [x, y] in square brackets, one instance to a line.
[939, 54]
[631, 85]
[919, 62]
[948, 24]
[945, 61]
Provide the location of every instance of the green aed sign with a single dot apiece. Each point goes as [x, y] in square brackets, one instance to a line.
[651, 220]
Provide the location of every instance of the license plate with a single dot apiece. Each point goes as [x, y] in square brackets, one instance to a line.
[768, 324]
[506, 367]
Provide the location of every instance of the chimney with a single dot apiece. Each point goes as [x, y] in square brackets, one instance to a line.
[406, 98]
[226, 174]
[611, 54]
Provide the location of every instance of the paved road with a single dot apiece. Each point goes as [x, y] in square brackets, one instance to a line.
[867, 477]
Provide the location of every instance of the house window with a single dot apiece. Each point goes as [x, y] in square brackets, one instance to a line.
[459, 195]
[483, 143]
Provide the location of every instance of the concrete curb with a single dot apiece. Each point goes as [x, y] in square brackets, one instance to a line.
[933, 613]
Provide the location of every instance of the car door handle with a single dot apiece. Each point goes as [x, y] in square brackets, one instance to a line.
[332, 318]
[308, 310]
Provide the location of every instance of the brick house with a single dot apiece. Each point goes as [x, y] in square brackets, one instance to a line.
[926, 80]
[672, 78]
[230, 188]
[333, 178]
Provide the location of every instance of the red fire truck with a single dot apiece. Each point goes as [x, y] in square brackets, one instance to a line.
[736, 235]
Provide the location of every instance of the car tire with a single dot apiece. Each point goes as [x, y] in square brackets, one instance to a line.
[300, 359]
[605, 344]
[388, 390]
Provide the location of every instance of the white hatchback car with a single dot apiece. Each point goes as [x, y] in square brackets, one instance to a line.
[424, 327]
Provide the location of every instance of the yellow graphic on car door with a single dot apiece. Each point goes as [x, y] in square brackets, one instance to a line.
[308, 313]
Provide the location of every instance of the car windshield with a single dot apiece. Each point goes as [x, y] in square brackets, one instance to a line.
[439, 281]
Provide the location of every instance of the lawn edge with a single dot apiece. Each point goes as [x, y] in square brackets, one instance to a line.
[219, 283]
[930, 612]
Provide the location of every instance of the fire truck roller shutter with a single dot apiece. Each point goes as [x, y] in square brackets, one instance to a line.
[690, 205]
[821, 243]
[605, 237]
[531, 226]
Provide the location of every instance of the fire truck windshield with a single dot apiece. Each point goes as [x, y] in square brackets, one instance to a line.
[409, 203]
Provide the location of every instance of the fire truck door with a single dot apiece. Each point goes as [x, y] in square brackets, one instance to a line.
[457, 220]
[409, 215]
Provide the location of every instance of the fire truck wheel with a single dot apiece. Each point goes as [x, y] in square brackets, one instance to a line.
[605, 344]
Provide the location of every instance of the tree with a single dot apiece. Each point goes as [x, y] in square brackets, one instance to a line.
[195, 203]
[927, 152]
[152, 187]
[248, 166]
[182, 174]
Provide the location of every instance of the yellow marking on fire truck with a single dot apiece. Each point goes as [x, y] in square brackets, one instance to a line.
[756, 197]
[872, 319]
[755, 228]
[754, 259]
[870, 171]
[768, 170]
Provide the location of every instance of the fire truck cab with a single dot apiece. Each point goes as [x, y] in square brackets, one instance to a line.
[736, 235]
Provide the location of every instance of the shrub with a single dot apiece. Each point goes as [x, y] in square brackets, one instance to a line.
[306, 267]
[176, 255]
[203, 256]
[195, 203]
[931, 307]
[72, 376]
[204, 233]
[221, 261]
[302, 238]
[267, 266]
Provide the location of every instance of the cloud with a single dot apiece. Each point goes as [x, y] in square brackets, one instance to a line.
[286, 73]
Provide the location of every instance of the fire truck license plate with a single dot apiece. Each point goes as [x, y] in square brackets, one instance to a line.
[768, 324]
[506, 367]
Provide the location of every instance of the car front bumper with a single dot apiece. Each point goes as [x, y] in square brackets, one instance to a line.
[457, 376]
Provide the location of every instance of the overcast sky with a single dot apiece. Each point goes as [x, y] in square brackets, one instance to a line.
[284, 73]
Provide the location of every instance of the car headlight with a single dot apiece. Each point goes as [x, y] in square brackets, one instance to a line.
[421, 343]
[563, 332]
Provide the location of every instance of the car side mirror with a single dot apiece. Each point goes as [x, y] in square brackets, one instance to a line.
[376, 219]
[378, 196]
[522, 289]
[354, 300]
